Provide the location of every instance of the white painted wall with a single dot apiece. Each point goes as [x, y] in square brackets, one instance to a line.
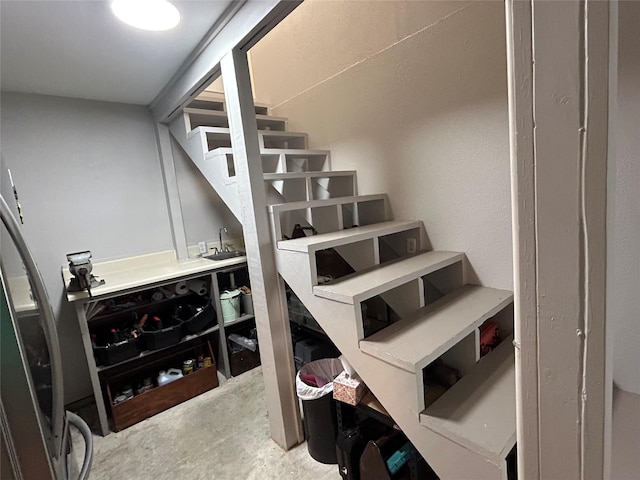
[216, 86]
[203, 212]
[412, 95]
[624, 229]
[89, 178]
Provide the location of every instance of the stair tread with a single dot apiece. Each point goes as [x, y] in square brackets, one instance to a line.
[292, 152]
[381, 278]
[222, 113]
[417, 340]
[312, 174]
[479, 412]
[350, 235]
[264, 133]
[207, 96]
[327, 202]
[297, 152]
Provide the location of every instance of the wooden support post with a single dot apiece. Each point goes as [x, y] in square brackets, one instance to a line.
[163, 140]
[558, 91]
[269, 300]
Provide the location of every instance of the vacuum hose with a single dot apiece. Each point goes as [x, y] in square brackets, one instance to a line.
[84, 430]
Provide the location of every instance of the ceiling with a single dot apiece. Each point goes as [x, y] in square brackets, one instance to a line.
[78, 48]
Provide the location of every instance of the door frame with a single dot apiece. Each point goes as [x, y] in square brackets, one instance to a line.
[558, 69]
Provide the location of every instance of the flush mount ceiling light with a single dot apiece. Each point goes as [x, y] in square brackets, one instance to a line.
[155, 15]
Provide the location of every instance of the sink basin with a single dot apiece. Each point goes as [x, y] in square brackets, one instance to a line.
[225, 255]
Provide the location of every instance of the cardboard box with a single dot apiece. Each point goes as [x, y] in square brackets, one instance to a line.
[348, 389]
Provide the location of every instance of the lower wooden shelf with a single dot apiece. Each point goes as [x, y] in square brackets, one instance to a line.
[159, 399]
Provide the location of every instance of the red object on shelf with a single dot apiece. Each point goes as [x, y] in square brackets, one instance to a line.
[489, 337]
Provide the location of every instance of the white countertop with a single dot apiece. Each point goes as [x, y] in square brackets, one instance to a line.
[132, 272]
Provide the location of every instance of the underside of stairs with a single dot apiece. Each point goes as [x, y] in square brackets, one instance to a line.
[396, 312]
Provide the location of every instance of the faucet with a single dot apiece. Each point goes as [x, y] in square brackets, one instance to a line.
[223, 248]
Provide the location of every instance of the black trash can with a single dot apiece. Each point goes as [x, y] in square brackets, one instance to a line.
[319, 409]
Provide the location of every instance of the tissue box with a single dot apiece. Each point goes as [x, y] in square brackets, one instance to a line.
[348, 389]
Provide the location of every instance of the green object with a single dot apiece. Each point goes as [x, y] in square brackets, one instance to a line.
[400, 457]
[230, 302]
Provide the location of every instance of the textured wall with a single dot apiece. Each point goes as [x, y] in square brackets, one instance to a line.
[413, 95]
[624, 234]
[203, 212]
[89, 178]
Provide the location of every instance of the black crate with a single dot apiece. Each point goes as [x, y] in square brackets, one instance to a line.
[242, 359]
[312, 349]
[196, 314]
[165, 337]
[116, 352]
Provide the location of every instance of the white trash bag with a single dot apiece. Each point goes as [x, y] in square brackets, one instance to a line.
[326, 368]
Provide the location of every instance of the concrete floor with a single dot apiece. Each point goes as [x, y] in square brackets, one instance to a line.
[222, 434]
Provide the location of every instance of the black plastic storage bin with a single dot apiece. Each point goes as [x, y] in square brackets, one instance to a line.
[196, 313]
[164, 337]
[321, 428]
[311, 349]
[116, 352]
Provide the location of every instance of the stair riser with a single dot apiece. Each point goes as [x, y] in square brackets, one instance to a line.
[331, 216]
[215, 101]
[274, 161]
[220, 119]
[277, 141]
[363, 254]
[216, 173]
[291, 189]
[284, 161]
[314, 188]
[295, 162]
[208, 105]
[222, 139]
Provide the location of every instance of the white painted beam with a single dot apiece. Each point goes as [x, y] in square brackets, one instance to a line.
[242, 26]
[272, 320]
[611, 189]
[558, 58]
[520, 84]
[172, 194]
[594, 195]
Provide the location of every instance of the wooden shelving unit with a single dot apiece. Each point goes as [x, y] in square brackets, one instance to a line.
[160, 398]
[225, 279]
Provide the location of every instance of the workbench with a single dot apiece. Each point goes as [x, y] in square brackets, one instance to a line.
[137, 278]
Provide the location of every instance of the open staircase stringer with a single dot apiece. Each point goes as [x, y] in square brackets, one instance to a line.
[216, 172]
[399, 391]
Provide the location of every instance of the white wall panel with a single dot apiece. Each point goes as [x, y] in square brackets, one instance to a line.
[412, 95]
[89, 178]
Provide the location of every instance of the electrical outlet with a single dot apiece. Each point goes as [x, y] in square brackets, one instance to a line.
[202, 246]
[412, 245]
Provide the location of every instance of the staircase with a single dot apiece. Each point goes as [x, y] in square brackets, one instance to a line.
[400, 310]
